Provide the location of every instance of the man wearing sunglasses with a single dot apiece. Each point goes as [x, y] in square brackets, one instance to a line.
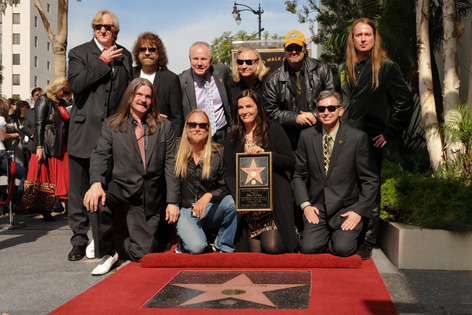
[99, 72]
[335, 181]
[290, 92]
[151, 59]
[204, 87]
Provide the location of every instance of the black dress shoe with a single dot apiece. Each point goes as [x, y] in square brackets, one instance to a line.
[365, 251]
[77, 253]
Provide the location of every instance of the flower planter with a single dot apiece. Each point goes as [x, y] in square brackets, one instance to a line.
[412, 247]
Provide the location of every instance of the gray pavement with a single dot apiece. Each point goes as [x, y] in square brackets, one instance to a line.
[36, 277]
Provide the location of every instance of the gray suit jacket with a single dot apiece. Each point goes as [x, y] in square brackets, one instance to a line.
[352, 181]
[120, 152]
[97, 94]
[221, 74]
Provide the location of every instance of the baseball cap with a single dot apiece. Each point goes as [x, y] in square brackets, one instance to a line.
[294, 37]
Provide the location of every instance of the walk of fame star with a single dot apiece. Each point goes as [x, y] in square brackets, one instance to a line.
[240, 287]
[253, 172]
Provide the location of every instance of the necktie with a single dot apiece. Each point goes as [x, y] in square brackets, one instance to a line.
[326, 152]
[140, 137]
[209, 106]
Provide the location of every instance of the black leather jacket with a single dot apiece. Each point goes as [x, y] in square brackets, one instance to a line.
[279, 94]
[49, 126]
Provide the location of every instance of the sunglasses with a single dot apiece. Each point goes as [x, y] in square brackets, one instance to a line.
[331, 108]
[151, 49]
[65, 92]
[193, 125]
[249, 62]
[293, 47]
[106, 26]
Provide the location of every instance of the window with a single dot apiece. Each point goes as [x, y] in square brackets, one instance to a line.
[49, 46]
[49, 8]
[16, 79]
[48, 66]
[47, 82]
[35, 21]
[36, 80]
[35, 61]
[16, 39]
[16, 59]
[16, 18]
[36, 41]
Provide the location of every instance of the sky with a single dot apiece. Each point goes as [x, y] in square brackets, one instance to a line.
[179, 23]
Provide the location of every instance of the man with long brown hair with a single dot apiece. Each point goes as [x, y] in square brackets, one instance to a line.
[376, 99]
[131, 168]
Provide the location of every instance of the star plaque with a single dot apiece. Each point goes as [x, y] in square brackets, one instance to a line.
[254, 182]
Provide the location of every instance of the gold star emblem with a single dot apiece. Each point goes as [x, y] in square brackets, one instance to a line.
[253, 172]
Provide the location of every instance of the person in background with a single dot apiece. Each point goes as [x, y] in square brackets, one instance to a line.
[29, 122]
[271, 232]
[248, 72]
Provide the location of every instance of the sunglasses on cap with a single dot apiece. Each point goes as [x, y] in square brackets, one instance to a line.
[193, 125]
[151, 49]
[249, 62]
[290, 48]
[106, 26]
[331, 108]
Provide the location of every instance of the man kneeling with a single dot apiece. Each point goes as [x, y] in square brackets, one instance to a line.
[130, 168]
[335, 181]
[206, 203]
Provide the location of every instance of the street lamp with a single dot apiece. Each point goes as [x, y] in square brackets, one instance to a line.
[237, 16]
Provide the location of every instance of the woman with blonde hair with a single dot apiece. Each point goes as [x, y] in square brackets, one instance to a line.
[248, 72]
[51, 126]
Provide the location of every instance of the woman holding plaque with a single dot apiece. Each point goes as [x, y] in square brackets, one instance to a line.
[271, 232]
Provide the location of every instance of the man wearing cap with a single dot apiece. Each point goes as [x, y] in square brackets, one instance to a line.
[291, 91]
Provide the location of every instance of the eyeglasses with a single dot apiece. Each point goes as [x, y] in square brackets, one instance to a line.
[249, 62]
[294, 47]
[193, 125]
[106, 26]
[151, 49]
[331, 108]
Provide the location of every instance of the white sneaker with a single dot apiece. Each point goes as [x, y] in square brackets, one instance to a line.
[90, 250]
[105, 265]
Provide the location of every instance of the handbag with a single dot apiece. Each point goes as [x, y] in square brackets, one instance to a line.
[38, 192]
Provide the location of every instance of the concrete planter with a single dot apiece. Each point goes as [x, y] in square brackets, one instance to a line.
[412, 247]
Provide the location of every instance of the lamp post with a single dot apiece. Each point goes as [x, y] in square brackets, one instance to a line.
[237, 16]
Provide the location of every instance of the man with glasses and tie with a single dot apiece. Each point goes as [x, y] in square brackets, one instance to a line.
[290, 92]
[204, 87]
[99, 72]
[206, 202]
[132, 169]
[151, 59]
[335, 181]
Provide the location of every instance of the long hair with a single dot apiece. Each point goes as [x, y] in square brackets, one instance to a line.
[261, 70]
[377, 54]
[184, 153]
[57, 85]
[119, 121]
[261, 132]
[4, 109]
[98, 17]
[152, 39]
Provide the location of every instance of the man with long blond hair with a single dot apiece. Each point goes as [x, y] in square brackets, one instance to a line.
[376, 99]
[206, 203]
[132, 169]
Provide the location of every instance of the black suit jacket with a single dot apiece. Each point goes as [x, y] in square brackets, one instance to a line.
[97, 94]
[169, 97]
[221, 74]
[352, 181]
[120, 152]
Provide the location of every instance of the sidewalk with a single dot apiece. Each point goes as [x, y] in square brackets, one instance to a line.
[36, 276]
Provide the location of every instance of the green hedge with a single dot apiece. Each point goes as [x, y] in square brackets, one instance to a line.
[425, 201]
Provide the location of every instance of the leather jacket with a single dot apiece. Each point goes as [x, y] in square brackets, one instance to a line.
[279, 94]
[49, 126]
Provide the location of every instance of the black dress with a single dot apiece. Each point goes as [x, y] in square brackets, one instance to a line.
[283, 161]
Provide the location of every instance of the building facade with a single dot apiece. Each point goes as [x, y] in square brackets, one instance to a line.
[27, 55]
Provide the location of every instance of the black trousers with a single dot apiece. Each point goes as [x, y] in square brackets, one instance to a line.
[142, 229]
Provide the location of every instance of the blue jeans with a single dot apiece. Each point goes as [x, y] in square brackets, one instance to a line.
[191, 230]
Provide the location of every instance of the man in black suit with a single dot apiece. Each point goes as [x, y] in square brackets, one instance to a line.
[99, 72]
[203, 87]
[150, 56]
[335, 181]
[132, 168]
